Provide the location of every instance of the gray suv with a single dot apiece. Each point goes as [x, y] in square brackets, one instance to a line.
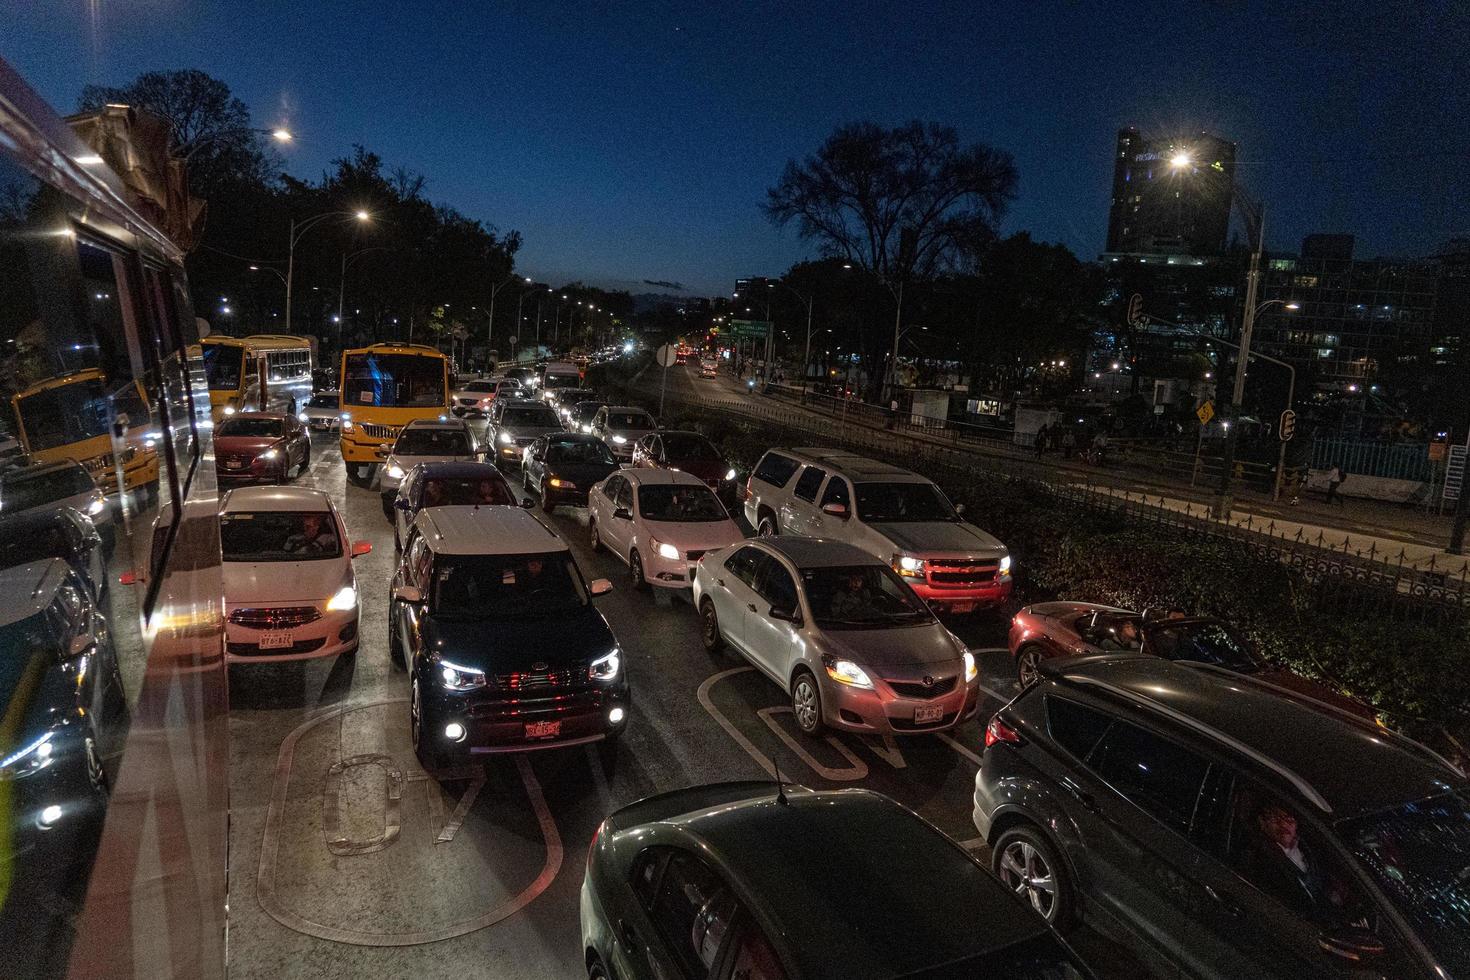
[515, 424]
[1226, 827]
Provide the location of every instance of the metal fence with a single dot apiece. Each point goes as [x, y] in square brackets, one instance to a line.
[1399, 461]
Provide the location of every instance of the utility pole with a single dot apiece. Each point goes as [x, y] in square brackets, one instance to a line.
[1224, 500]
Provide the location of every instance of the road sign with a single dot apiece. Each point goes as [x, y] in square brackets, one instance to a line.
[513, 341]
[1454, 473]
[745, 329]
[1135, 309]
[1205, 412]
[667, 356]
[1287, 427]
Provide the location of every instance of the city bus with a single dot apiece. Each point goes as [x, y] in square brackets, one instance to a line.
[384, 387]
[259, 373]
[68, 418]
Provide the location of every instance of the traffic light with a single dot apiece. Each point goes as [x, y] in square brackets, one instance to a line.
[1287, 427]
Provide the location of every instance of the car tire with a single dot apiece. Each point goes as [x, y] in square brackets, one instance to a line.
[388, 509]
[1028, 662]
[548, 503]
[395, 643]
[1026, 862]
[635, 571]
[709, 632]
[431, 759]
[594, 539]
[766, 527]
[595, 969]
[806, 704]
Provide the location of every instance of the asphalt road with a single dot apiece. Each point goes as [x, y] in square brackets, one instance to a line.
[347, 860]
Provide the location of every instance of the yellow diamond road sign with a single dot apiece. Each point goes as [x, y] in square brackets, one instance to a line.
[1205, 412]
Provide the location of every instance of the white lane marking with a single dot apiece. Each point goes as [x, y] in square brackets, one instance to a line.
[958, 746]
[730, 729]
[857, 769]
[889, 752]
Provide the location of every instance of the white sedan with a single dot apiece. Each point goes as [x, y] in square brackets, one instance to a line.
[290, 589]
[661, 522]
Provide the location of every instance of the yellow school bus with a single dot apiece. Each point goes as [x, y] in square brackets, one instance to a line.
[385, 387]
[259, 373]
[69, 418]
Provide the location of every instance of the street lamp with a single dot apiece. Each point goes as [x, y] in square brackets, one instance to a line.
[299, 230]
[495, 288]
[282, 135]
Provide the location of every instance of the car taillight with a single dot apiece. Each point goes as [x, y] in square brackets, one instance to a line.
[999, 731]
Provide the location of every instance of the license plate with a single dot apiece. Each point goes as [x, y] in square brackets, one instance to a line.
[234, 464]
[927, 714]
[276, 641]
[962, 607]
[543, 729]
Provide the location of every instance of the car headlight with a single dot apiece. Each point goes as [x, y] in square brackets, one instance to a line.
[303, 416]
[620, 439]
[847, 672]
[1005, 565]
[457, 678]
[606, 667]
[970, 671]
[666, 550]
[344, 601]
[35, 755]
[506, 438]
[909, 566]
[269, 455]
[558, 482]
[394, 471]
[229, 410]
[730, 474]
[96, 507]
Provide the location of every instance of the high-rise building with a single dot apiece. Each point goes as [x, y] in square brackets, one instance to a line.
[1171, 194]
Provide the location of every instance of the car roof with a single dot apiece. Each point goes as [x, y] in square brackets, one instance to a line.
[818, 552]
[462, 468]
[858, 885]
[287, 498]
[645, 477]
[854, 467]
[1296, 739]
[36, 471]
[27, 589]
[467, 529]
[455, 424]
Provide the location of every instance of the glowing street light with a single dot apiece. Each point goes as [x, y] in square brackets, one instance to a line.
[282, 135]
[1180, 160]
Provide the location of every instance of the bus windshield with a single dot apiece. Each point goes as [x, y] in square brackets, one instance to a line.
[394, 381]
[223, 365]
[61, 416]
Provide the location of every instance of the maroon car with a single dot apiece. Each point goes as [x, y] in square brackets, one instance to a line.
[261, 446]
[690, 453]
[1068, 629]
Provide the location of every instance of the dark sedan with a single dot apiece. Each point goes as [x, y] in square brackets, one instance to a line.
[688, 452]
[1066, 629]
[745, 880]
[563, 467]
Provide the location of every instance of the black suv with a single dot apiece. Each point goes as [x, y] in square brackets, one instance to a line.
[1226, 827]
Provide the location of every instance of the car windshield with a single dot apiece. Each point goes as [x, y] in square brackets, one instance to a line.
[861, 596]
[507, 586]
[22, 491]
[60, 416]
[585, 410]
[441, 491]
[560, 381]
[251, 428]
[279, 536]
[432, 442]
[1209, 643]
[689, 504]
[630, 420]
[1113, 631]
[394, 381]
[479, 386]
[581, 451]
[222, 366]
[894, 502]
[324, 401]
[1419, 854]
[530, 416]
[686, 445]
[572, 396]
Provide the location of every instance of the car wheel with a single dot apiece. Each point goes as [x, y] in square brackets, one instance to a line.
[430, 759]
[395, 642]
[806, 704]
[767, 527]
[305, 461]
[635, 571]
[1028, 664]
[594, 541]
[1026, 862]
[709, 631]
[595, 970]
[548, 503]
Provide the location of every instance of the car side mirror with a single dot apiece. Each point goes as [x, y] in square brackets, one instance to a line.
[622, 514]
[600, 586]
[411, 594]
[1352, 944]
[835, 509]
[528, 503]
[785, 615]
[360, 548]
[80, 644]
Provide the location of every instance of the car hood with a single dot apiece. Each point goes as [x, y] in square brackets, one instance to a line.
[896, 653]
[691, 536]
[582, 474]
[519, 645]
[940, 538]
[245, 444]
[708, 470]
[302, 583]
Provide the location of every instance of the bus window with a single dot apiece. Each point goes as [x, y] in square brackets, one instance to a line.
[223, 366]
[394, 381]
[178, 401]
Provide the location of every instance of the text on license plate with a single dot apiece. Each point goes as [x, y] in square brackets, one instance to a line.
[277, 641]
[960, 608]
[542, 729]
[234, 464]
[932, 712]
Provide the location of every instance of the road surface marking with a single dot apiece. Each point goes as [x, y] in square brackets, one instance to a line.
[857, 769]
[958, 746]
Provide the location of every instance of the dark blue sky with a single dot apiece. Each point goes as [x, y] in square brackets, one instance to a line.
[634, 140]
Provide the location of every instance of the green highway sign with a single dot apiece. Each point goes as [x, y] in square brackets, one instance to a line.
[750, 328]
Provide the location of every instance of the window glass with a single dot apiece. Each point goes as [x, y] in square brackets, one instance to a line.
[1156, 775]
[687, 445]
[279, 536]
[1206, 642]
[680, 503]
[692, 912]
[806, 486]
[1074, 727]
[502, 587]
[251, 428]
[861, 597]
[530, 415]
[394, 381]
[755, 957]
[177, 398]
[836, 493]
[892, 502]
[630, 420]
[624, 499]
[774, 583]
[775, 469]
[224, 365]
[25, 487]
[579, 451]
[645, 874]
[432, 442]
[440, 491]
[742, 564]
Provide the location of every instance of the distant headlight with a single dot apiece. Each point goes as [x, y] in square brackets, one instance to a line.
[620, 439]
[666, 551]
[730, 473]
[96, 507]
[558, 482]
[506, 438]
[269, 455]
[229, 410]
[346, 600]
[847, 672]
[1005, 565]
[394, 471]
[303, 416]
[970, 672]
[458, 678]
[606, 667]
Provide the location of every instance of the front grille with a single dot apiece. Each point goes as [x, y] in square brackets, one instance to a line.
[278, 618]
[959, 572]
[916, 689]
[374, 431]
[569, 678]
[254, 650]
[549, 704]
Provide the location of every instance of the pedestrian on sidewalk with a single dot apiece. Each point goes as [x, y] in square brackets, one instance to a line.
[1335, 479]
[893, 413]
[1069, 443]
[1042, 434]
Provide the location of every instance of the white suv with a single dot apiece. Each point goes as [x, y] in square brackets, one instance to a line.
[424, 441]
[895, 515]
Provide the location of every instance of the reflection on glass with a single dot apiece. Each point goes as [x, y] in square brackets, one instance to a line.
[279, 536]
[394, 381]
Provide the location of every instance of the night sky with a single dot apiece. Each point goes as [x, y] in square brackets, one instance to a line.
[631, 141]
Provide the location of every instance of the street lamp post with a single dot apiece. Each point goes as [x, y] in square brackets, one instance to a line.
[806, 361]
[342, 284]
[495, 288]
[296, 233]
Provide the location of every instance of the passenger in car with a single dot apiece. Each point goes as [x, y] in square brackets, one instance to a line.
[1282, 865]
[853, 600]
